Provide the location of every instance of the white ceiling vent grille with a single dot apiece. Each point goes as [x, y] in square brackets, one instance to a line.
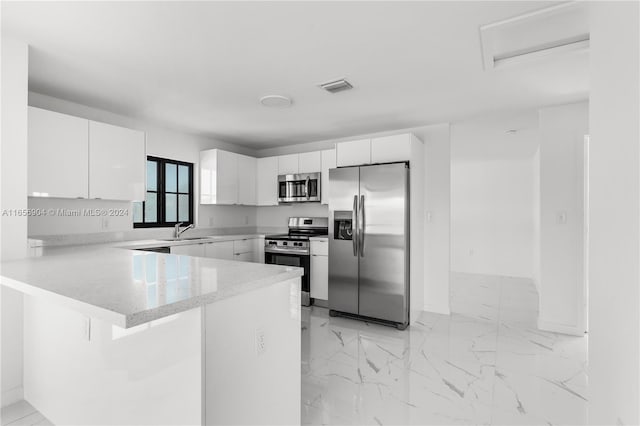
[335, 86]
[542, 33]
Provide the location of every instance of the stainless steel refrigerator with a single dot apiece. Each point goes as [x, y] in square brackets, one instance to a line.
[369, 243]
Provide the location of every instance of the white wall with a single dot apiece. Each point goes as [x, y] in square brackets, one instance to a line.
[614, 214]
[492, 181]
[161, 142]
[561, 285]
[437, 222]
[536, 219]
[13, 229]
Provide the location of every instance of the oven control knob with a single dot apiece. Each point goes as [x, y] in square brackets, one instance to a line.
[284, 243]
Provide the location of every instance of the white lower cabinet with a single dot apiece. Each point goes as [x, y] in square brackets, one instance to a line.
[258, 250]
[219, 250]
[197, 250]
[320, 269]
[243, 257]
[243, 250]
[319, 277]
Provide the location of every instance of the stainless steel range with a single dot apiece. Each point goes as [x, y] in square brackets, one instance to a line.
[293, 248]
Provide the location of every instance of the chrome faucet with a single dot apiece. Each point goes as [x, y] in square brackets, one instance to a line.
[177, 231]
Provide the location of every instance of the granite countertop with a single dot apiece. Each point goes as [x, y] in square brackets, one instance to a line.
[319, 238]
[128, 287]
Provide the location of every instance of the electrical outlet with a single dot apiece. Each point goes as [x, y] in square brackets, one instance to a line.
[246, 220]
[210, 221]
[261, 344]
[562, 217]
[471, 252]
[105, 223]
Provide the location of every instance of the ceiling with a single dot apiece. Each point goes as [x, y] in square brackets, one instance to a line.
[201, 67]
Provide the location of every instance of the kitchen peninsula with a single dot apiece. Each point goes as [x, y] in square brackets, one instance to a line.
[120, 336]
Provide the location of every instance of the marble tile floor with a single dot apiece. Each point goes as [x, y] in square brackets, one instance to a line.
[484, 364]
[22, 414]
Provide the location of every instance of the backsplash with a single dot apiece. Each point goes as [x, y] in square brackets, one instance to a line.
[277, 216]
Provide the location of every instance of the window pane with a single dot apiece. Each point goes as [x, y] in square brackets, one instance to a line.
[183, 208]
[170, 178]
[170, 208]
[152, 176]
[151, 208]
[183, 179]
[136, 207]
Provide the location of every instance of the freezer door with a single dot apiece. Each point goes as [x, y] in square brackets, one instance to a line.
[343, 260]
[384, 249]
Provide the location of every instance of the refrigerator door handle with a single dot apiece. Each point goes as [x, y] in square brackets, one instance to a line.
[354, 229]
[361, 225]
[306, 188]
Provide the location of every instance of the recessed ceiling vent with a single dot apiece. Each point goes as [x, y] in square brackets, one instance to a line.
[544, 33]
[335, 86]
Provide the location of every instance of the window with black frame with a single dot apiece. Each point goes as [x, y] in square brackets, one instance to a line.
[169, 196]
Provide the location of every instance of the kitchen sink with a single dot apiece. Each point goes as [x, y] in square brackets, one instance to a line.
[184, 239]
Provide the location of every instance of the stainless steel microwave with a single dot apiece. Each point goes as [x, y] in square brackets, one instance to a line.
[299, 188]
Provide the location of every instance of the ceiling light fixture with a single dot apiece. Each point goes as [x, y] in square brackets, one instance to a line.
[276, 101]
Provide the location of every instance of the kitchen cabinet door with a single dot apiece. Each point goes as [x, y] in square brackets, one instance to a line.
[226, 178]
[288, 164]
[320, 277]
[353, 153]
[218, 177]
[58, 152]
[258, 250]
[310, 162]
[219, 250]
[117, 162]
[389, 149]
[267, 181]
[328, 162]
[243, 257]
[197, 250]
[247, 180]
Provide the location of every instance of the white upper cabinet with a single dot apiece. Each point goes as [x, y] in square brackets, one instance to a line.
[353, 153]
[389, 149]
[246, 180]
[117, 162]
[267, 181]
[218, 177]
[58, 152]
[310, 162]
[328, 162]
[288, 164]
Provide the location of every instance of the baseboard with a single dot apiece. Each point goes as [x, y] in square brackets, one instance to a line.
[560, 328]
[12, 396]
[321, 302]
[435, 309]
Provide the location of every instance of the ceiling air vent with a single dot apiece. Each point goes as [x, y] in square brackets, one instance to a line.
[548, 32]
[335, 86]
